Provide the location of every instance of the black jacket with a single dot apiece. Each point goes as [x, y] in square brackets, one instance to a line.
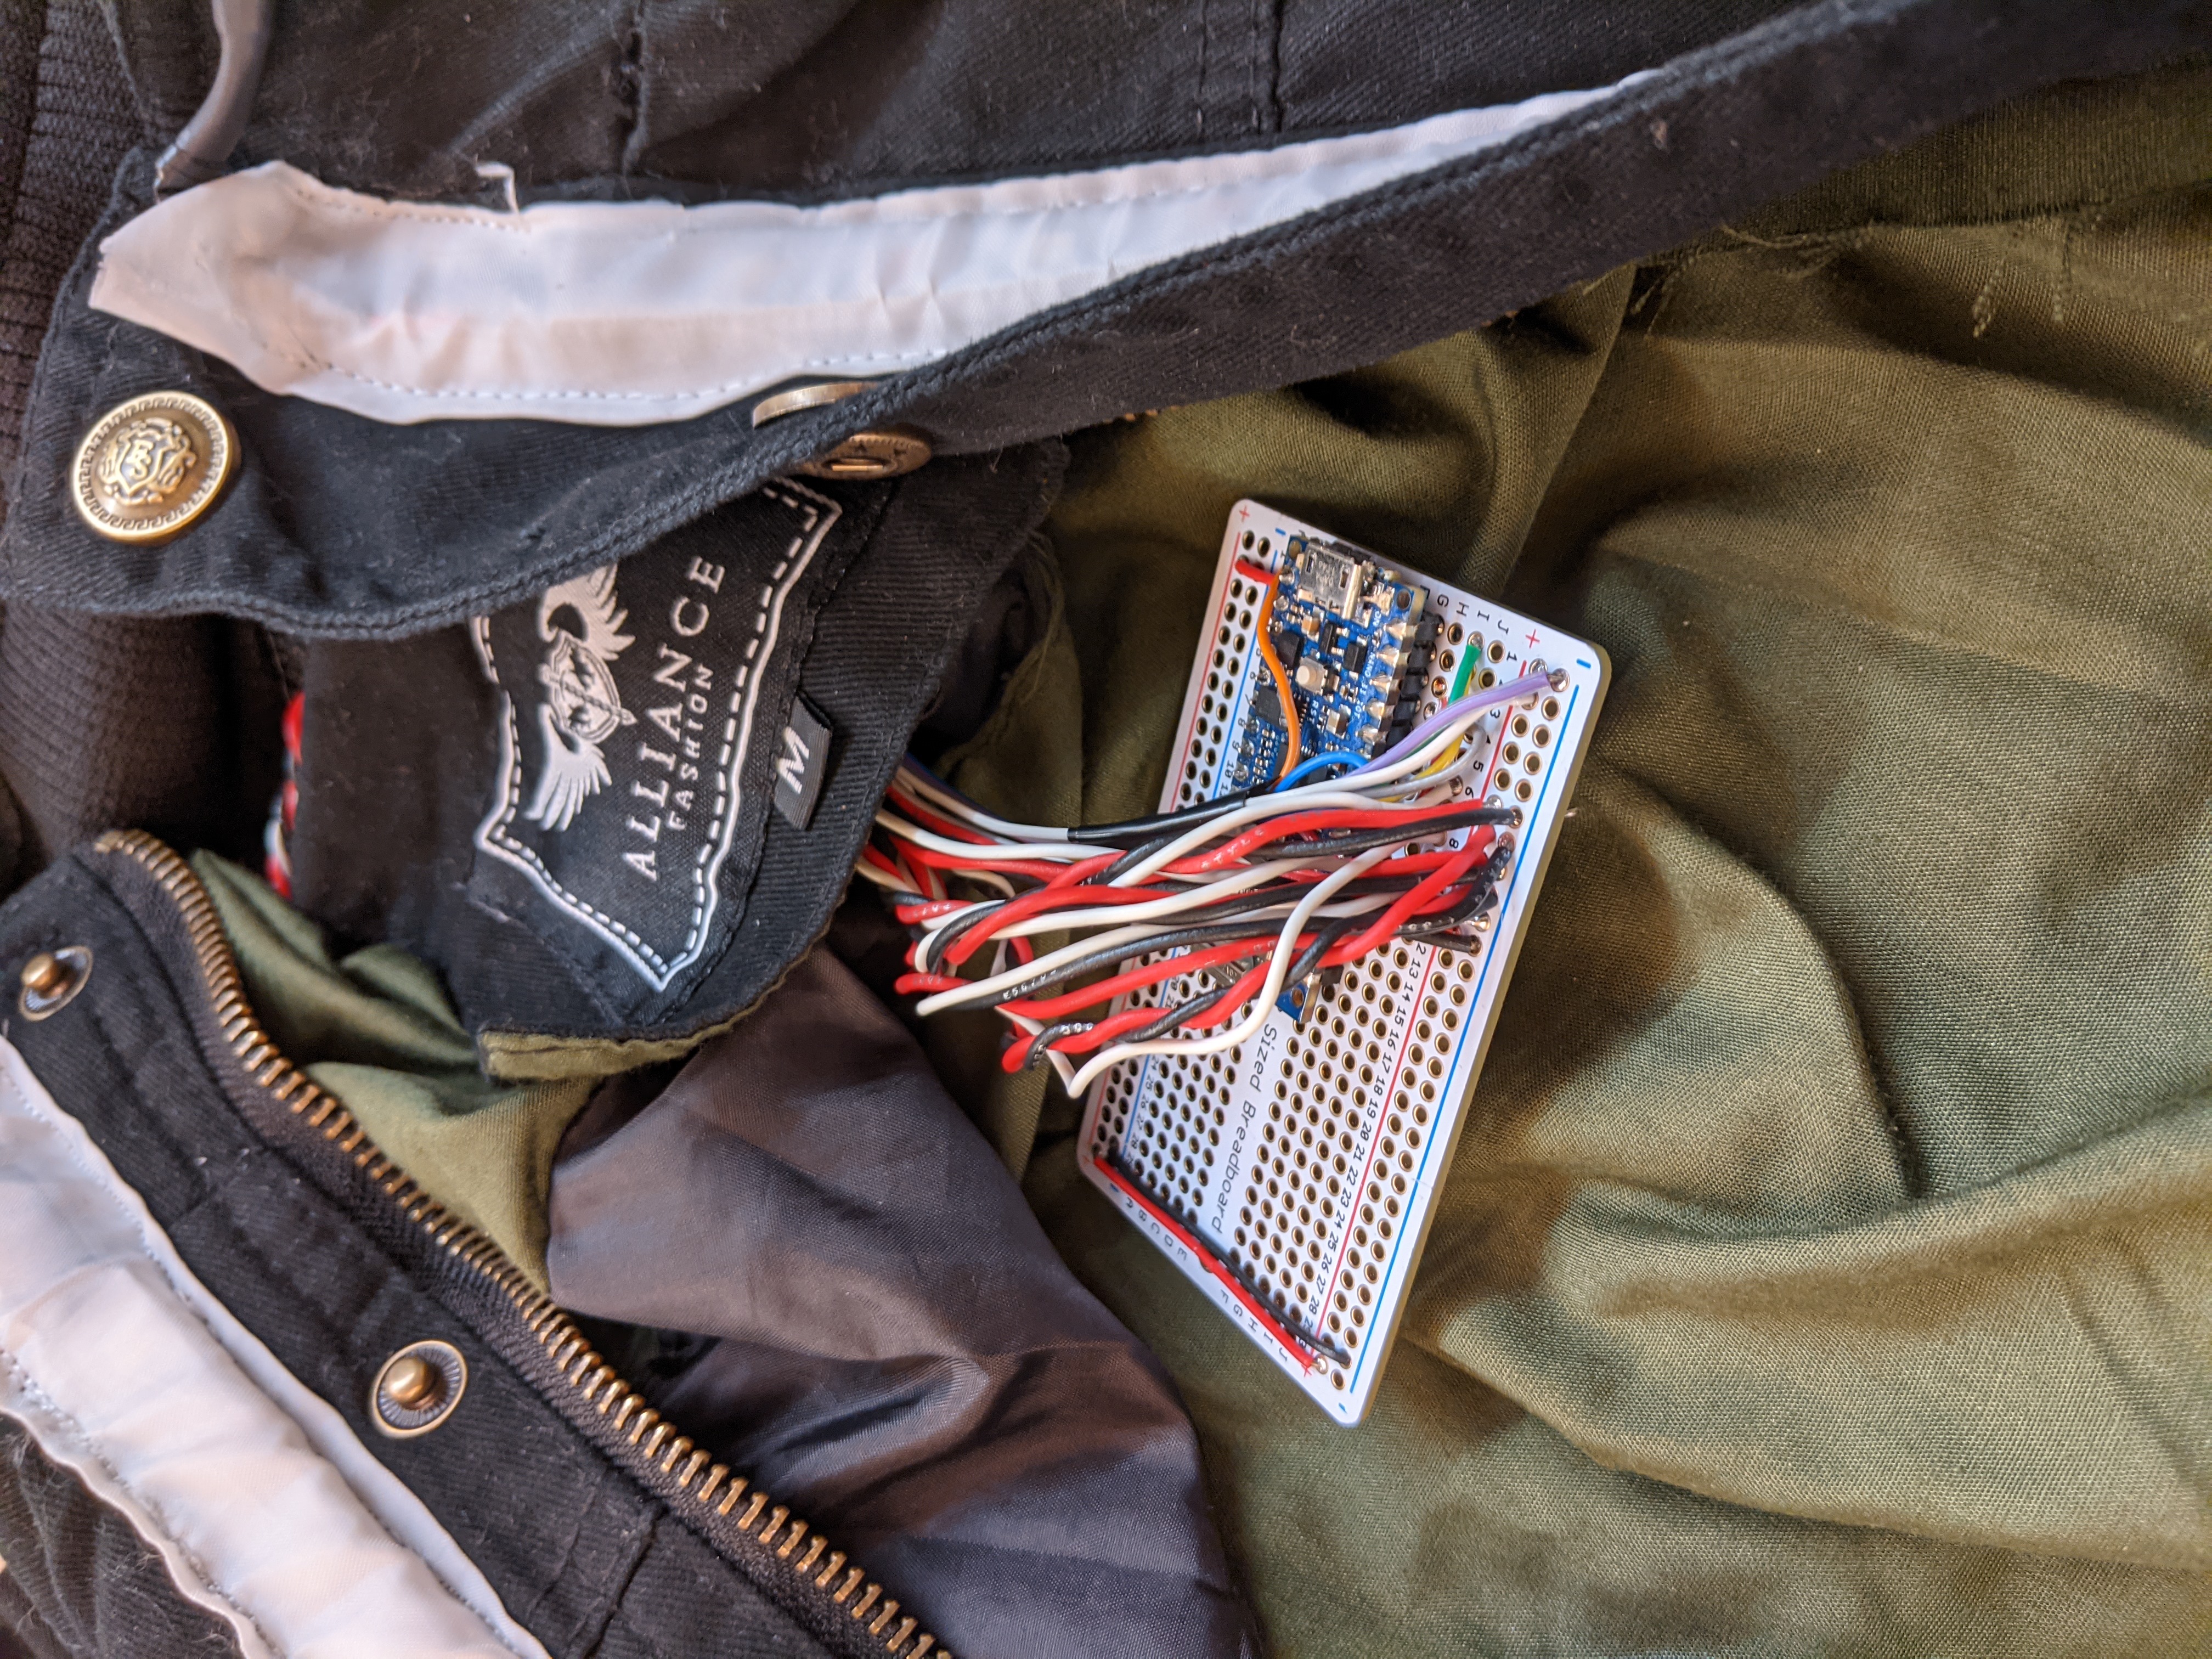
[1008, 1470]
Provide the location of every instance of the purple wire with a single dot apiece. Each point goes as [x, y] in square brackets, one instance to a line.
[1444, 716]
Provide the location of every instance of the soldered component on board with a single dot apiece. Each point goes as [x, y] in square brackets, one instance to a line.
[1353, 637]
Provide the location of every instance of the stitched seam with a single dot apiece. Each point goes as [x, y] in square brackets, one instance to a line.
[88, 1448]
[87, 1444]
[571, 392]
[325, 199]
[1277, 166]
[736, 743]
[1199, 103]
[149, 1242]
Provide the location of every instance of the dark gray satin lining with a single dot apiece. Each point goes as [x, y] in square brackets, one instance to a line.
[896, 1352]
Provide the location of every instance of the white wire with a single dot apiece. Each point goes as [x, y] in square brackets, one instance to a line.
[1477, 707]
[1060, 1061]
[1135, 939]
[976, 815]
[1058, 922]
[1027, 841]
[1066, 852]
[1278, 968]
[886, 878]
[1305, 795]
[1208, 888]
[980, 990]
[1052, 844]
[1253, 811]
[1266, 807]
[1165, 907]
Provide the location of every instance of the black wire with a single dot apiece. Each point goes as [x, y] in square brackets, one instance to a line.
[1360, 840]
[1133, 857]
[1324, 941]
[1232, 904]
[1049, 1035]
[1218, 934]
[1450, 816]
[1352, 841]
[952, 933]
[1375, 882]
[1485, 884]
[1177, 821]
[1136, 855]
[1343, 840]
[1181, 1013]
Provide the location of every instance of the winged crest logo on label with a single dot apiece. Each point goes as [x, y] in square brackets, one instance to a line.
[639, 704]
[582, 706]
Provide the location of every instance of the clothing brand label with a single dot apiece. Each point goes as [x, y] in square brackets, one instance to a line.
[641, 706]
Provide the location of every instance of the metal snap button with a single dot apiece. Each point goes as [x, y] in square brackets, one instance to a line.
[417, 1388]
[817, 394]
[51, 978]
[153, 465]
[878, 455]
[882, 453]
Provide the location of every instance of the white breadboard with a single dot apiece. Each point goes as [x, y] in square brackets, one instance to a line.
[1293, 1177]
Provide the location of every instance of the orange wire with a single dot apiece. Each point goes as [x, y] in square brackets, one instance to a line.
[1267, 579]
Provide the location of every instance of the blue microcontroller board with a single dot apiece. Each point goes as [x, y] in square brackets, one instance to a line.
[1354, 638]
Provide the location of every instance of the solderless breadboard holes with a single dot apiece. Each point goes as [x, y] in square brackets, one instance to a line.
[1292, 1175]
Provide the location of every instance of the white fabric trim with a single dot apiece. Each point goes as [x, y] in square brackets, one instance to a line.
[265, 1507]
[626, 314]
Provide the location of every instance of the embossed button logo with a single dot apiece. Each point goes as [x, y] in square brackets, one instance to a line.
[152, 466]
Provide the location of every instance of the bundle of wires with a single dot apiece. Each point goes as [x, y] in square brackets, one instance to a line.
[1251, 893]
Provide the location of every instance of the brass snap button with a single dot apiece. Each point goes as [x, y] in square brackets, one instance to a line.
[153, 465]
[417, 1388]
[880, 455]
[818, 394]
[884, 452]
[51, 978]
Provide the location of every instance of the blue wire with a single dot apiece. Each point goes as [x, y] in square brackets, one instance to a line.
[1335, 758]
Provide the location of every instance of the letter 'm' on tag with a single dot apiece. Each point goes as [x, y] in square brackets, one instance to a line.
[802, 763]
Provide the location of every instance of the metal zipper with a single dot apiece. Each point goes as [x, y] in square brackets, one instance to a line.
[651, 1441]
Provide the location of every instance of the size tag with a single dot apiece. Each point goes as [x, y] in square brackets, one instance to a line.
[802, 764]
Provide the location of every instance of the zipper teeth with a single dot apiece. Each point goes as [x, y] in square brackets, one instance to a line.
[712, 1485]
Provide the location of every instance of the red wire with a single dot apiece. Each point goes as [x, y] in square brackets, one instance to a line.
[1413, 900]
[1018, 1054]
[1242, 992]
[916, 910]
[1432, 894]
[1040, 899]
[909, 985]
[1303, 1352]
[1232, 1005]
[1292, 824]
[1082, 1042]
[1083, 869]
[929, 820]
[1151, 973]
[937, 860]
